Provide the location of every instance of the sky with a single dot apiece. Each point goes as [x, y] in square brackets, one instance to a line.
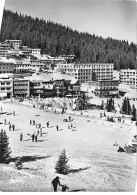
[106, 18]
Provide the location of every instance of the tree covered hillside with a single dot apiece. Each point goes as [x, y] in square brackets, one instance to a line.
[55, 39]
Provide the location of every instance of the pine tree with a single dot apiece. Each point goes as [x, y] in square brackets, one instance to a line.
[134, 113]
[124, 105]
[4, 147]
[61, 165]
[110, 105]
[126, 108]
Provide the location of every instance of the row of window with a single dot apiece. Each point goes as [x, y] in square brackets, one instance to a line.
[130, 82]
[21, 89]
[20, 84]
[6, 64]
[6, 67]
[1, 72]
[5, 83]
[5, 89]
[109, 88]
[107, 84]
[127, 73]
[22, 65]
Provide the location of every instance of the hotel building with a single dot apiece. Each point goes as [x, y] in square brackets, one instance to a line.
[88, 72]
[129, 77]
[104, 88]
[21, 87]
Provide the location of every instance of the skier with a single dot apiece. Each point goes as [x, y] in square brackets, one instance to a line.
[21, 137]
[71, 125]
[55, 182]
[69, 118]
[57, 127]
[39, 126]
[30, 122]
[9, 127]
[41, 132]
[47, 124]
[62, 110]
[36, 139]
[33, 137]
[13, 127]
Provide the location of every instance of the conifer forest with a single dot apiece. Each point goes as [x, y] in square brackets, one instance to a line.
[55, 39]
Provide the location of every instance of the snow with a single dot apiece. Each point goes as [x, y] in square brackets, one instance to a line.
[96, 164]
[51, 76]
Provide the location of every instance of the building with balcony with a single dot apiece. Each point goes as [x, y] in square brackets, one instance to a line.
[4, 49]
[5, 87]
[6, 66]
[21, 87]
[35, 51]
[22, 67]
[129, 77]
[88, 72]
[104, 88]
[15, 44]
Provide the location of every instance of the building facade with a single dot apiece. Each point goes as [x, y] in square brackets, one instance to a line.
[4, 49]
[15, 44]
[88, 72]
[105, 88]
[21, 87]
[129, 77]
[35, 51]
[6, 87]
[6, 67]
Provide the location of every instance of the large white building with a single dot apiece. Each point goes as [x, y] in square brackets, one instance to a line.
[129, 77]
[88, 72]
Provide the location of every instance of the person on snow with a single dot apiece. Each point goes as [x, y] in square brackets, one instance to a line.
[21, 137]
[33, 136]
[64, 188]
[57, 127]
[47, 124]
[55, 182]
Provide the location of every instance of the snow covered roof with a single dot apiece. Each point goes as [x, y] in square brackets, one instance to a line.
[5, 76]
[95, 101]
[5, 60]
[125, 88]
[131, 95]
[51, 76]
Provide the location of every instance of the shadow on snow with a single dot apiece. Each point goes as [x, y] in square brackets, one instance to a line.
[29, 158]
